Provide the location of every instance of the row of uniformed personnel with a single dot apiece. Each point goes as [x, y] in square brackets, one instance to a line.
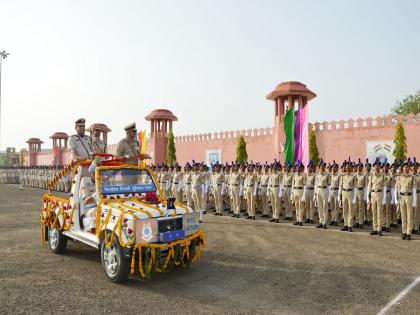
[354, 194]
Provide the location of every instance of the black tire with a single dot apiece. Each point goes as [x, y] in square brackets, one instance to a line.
[116, 265]
[57, 241]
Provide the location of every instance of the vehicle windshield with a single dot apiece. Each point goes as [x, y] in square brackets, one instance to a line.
[125, 180]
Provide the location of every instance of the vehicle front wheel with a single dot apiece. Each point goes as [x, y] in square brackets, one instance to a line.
[57, 241]
[114, 262]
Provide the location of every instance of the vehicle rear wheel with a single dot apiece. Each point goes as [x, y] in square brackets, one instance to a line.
[57, 241]
[114, 262]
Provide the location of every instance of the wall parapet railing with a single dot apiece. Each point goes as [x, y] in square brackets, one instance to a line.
[377, 122]
[225, 135]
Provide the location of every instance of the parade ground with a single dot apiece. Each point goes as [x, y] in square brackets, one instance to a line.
[248, 267]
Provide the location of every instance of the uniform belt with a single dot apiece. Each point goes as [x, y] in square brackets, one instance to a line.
[376, 191]
[360, 188]
[235, 184]
[298, 187]
[287, 186]
[388, 190]
[175, 183]
[335, 188]
[275, 186]
[263, 185]
[323, 187]
[406, 194]
[309, 188]
[347, 189]
[219, 184]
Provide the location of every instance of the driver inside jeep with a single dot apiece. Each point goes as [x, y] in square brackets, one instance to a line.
[88, 200]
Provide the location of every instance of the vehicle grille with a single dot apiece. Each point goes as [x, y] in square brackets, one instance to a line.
[169, 225]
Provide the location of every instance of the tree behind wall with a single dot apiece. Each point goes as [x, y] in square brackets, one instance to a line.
[171, 151]
[313, 149]
[241, 154]
[400, 150]
[409, 105]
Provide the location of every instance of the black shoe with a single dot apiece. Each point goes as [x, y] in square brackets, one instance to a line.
[300, 224]
[253, 218]
[356, 226]
[237, 216]
[272, 220]
[404, 236]
[380, 233]
[277, 221]
[307, 221]
[220, 214]
[296, 223]
[345, 229]
[365, 222]
[233, 215]
[361, 226]
[335, 223]
[399, 221]
[324, 226]
[332, 223]
[216, 213]
[350, 229]
[414, 232]
[387, 230]
[374, 233]
[319, 226]
[408, 238]
[249, 217]
[311, 221]
[204, 212]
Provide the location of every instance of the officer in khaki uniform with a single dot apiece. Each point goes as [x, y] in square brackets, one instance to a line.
[218, 186]
[187, 182]
[197, 183]
[177, 183]
[80, 144]
[376, 194]
[333, 194]
[205, 192]
[406, 197]
[388, 178]
[287, 190]
[360, 196]
[274, 188]
[416, 175]
[310, 193]
[235, 187]
[347, 185]
[251, 186]
[322, 184]
[99, 146]
[129, 147]
[299, 192]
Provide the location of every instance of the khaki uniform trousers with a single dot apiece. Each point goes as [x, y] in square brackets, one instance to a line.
[188, 196]
[309, 205]
[275, 201]
[236, 199]
[264, 201]
[388, 211]
[359, 206]
[218, 199]
[287, 202]
[377, 210]
[250, 201]
[299, 204]
[407, 215]
[204, 200]
[348, 208]
[322, 200]
[197, 199]
[335, 207]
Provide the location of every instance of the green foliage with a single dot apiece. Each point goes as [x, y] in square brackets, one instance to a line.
[409, 105]
[171, 151]
[313, 149]
[241, 154]
[6, 157]
[400, 150]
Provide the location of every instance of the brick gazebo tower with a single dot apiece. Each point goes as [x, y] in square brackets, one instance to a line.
[59, 146]
[286, 95]
[160, 124]
[34, 148]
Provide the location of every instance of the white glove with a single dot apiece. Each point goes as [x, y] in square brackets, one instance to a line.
[304, 195]
[384, 196]
[392, 196]
[414, 197]
[396, 200]
[223, 189]
[354, 196]
[281, 191]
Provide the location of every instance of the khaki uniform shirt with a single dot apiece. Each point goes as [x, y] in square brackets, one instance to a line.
[347, 181]
[376, 182]
[130, 148]
[322, 180]
[406, 183]
[99, 146]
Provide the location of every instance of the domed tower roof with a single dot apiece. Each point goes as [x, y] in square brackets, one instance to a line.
[34, 141]
[59, 135]
[164, 114]
[291, 88]
[101, 127]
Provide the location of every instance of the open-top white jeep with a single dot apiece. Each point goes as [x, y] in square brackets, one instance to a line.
[131, 224]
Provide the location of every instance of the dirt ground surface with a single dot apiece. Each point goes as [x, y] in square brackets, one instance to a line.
[248, 267]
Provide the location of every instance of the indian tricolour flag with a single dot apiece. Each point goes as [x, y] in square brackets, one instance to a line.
[377, 148]
[387, 147]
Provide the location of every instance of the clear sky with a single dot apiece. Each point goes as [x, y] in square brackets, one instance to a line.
[210, 62]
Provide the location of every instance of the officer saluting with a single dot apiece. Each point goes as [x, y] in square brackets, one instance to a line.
[129, 147]
[99, 147]
[80, 144]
